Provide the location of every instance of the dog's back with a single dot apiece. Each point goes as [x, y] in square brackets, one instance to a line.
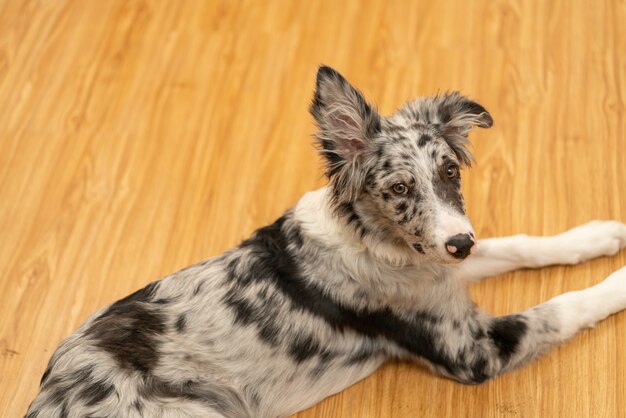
[229, 337]
[142, 356]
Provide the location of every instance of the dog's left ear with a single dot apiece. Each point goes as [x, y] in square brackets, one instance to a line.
[458, 115]
[347, 124]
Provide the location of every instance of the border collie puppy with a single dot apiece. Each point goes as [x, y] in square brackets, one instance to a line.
[370, 268]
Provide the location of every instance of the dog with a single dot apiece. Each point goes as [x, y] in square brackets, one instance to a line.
[372, 267]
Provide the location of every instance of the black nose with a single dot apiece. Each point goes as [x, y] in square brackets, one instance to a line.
[459, 246]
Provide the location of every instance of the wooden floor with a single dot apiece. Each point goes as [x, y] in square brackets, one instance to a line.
[137, 138]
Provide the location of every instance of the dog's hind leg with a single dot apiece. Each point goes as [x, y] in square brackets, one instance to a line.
[496, 256]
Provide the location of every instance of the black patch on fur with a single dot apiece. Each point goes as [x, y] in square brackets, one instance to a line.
[181, 322]
[197, 289]
[95, 392]
[347, 210]
[419, 248]
[274, 264]
[46, 373]
[448, 190]
[478, 333]
[326, 358]
[401, 207]
[142, 295]
[218, 397]
[363, 354]
[263, 293]
[269, 333]
[304, 347]
[59, 386]
[296, 237]
[386, 196]
[318, 370]
[348, 213]
[391, 128]
[128, 330]
[506, 333]
[138, 406]
[473, 108]
[334, 160]
[424, 139]
[453, 104]
[354, 218]
[478, 370]
[247, 313]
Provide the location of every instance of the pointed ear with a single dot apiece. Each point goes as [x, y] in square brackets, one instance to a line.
[458, 115]
[347, 124]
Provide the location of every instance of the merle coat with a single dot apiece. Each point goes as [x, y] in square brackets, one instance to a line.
[370, 268]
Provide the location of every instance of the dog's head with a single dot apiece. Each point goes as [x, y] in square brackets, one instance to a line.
[399, 177]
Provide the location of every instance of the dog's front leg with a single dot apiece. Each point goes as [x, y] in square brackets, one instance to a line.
[496, 256]
[476, 347]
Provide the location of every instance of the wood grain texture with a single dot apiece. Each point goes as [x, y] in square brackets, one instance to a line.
[139, 137]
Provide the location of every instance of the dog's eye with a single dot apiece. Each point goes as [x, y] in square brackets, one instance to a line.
[452, 171]
[400, 188]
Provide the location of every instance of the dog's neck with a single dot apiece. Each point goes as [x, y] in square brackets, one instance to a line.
[330, 224]
[391, 275]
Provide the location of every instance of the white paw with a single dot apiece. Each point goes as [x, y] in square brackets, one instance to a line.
[591, 240]
[584, 308]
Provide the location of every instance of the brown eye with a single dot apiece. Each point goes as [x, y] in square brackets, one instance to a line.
[400, 188]
[452, 171]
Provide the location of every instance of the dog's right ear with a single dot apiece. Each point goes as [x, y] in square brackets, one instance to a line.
[346, 123]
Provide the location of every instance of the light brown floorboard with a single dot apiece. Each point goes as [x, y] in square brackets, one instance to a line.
[139, 137]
